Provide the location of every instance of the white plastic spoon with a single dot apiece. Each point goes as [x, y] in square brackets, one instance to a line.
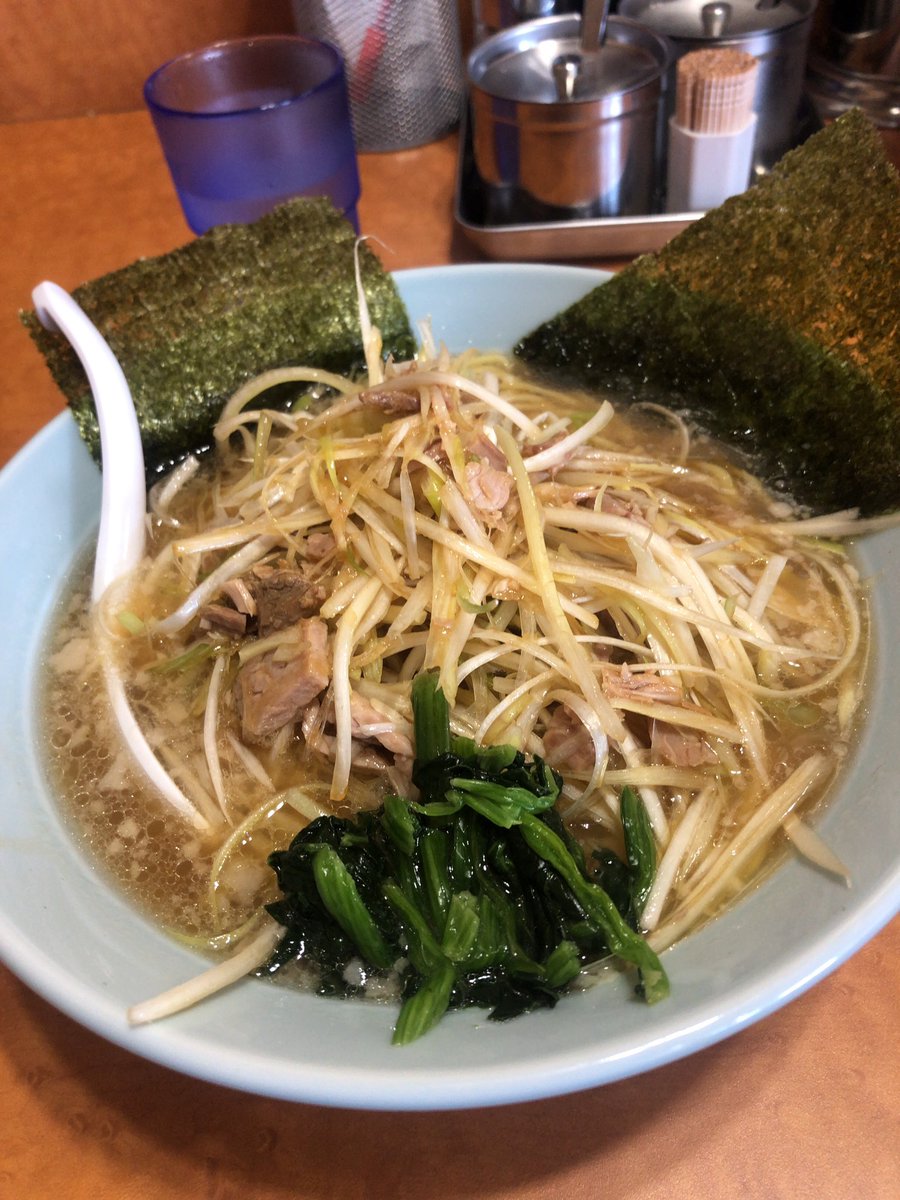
[122, 535]
[120, 543]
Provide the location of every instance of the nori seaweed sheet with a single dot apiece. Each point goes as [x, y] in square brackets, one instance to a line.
[191, 326]
[772, 321]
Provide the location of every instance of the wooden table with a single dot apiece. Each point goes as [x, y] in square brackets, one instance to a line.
[804, 1104]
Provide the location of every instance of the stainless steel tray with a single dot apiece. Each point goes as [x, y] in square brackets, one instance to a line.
[495, 223]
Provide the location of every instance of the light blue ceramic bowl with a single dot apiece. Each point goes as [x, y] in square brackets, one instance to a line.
[78, 944]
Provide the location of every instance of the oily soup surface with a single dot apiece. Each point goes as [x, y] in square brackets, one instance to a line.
[681, 710]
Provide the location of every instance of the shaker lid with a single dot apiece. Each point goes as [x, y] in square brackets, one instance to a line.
[718, 18]
[522, 67]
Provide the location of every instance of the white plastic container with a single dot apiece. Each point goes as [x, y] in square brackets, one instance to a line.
[706, 168]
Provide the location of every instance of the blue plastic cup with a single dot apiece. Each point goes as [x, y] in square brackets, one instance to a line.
[249, 123]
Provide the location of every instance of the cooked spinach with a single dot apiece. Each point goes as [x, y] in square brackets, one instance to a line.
[476, 892]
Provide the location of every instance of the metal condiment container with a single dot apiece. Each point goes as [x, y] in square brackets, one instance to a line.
[854, 59]
[774, 31]
[571, 132]
[492, 16]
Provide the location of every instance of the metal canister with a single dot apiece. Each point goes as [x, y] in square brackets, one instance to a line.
[575, 132]
[854, 59]
[776, 32]
[493, 16]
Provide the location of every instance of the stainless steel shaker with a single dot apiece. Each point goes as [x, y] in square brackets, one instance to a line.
[566, 133]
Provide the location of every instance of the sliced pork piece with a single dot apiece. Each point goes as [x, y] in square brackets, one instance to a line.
[221, 616]
[679, 747]
[436, 452]
[370, 729]
[393, 402]
[283, 597]
[489, 488]
[240, 596]
[319, 544]
[273, 692]
[621, 506]
[625, 684]
[369, 723]
[481, 446]
[567, 743]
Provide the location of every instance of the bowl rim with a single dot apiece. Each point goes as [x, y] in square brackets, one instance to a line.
[435, 1080]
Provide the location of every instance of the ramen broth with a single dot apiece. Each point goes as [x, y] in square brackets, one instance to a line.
[193, 887]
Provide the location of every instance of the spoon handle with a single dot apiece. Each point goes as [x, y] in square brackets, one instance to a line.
[123, 506]
[120, 542]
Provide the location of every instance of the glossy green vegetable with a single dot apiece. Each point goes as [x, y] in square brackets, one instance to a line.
[475, 893]
[640, 849]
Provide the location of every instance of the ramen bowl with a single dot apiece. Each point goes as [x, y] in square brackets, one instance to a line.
[77, 943]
